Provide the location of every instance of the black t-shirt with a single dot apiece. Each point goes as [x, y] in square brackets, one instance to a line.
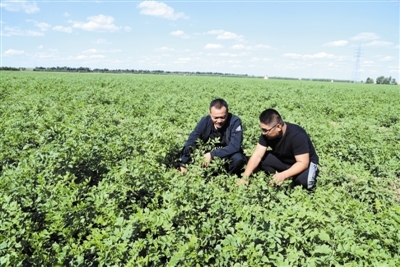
[294, 142]
[215, 133]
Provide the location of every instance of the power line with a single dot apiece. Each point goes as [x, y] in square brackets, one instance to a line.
[356, 70]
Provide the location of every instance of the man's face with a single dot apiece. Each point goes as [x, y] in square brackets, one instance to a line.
[271, 131]
[218, 116]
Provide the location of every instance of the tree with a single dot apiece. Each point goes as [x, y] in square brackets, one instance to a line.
[393, 82]
[380, 79]
[387, 80]
[383, 80]
[369, 80]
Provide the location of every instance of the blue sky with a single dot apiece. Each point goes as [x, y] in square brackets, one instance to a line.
[300, 39]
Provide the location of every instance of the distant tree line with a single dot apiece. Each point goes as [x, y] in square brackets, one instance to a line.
[12, 68]
[312, 79]
[379, 80]
[105, 70]
[382, 80]
[133, 71]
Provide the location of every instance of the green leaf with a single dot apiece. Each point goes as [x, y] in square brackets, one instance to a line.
[323, 249]
[324, 236]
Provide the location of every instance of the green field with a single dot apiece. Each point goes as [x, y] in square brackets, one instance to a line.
[87, 177]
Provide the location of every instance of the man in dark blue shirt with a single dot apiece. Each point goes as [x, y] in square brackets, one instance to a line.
[292, 153]
[218, 124]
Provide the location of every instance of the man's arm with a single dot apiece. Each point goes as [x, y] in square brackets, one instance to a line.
[191, 141]
[254, 160]
[301, 164]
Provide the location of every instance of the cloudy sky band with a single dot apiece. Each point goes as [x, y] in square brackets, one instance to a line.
[214, 46]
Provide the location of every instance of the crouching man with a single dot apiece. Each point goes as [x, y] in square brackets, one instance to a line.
[218, 124]
[292, 153]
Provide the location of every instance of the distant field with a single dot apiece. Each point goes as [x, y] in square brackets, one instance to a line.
[87, 178]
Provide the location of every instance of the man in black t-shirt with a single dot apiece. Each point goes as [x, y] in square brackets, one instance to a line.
[218, 124]
[292, 153]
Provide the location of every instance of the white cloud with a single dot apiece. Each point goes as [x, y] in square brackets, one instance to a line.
[62, 29]
[361, 70]
[240, 47]
[379, 44]
[213, 46]
[225, 35]
[293, 55]
[388, 58]
[96, 53]
[13, 52]
[50, 54]
[127, 29]
[261, 46]
[367, 63]
[336, 43]
[90, 51]
[215, 32]
[42, 25]
[309, 56]
[16, 31]
[180, 33]
[249, 47]
[183, 60]
[100, 23]
[102, 41]
[320, 55]
[40, 47]
[159, 9]
[164, 48]
[228, 36]
[24, 6]
[90, 56]
[227, 55]
[66, 14]
[365, 36]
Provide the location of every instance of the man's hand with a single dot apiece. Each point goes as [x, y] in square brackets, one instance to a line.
[182, 169]
[242, 181]
[207, 159]
[277, 179]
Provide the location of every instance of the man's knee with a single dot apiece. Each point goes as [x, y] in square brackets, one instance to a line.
[308, 178]
[266, 168]
[238, 159]
[271, 163]
[236, 163]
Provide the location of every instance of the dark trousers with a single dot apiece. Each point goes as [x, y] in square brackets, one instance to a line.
[270, 164]
[235, 163]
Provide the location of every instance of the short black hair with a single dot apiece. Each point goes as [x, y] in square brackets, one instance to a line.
[219, 103]
[270, 116]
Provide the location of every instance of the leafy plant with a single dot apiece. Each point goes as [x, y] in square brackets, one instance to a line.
[88, 178]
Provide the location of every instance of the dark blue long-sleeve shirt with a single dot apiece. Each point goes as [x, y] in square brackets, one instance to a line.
[233, 133]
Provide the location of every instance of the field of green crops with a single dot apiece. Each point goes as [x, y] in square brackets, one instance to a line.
[87, 177]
